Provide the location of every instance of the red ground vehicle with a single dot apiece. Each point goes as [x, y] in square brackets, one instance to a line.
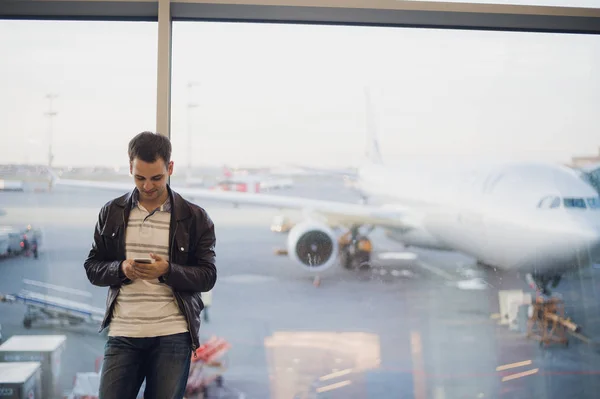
[20, 241]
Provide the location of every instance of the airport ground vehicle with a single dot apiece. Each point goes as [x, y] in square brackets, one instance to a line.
[355, 249]
[20, 241]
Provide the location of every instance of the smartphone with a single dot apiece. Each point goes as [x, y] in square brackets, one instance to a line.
[143, 260]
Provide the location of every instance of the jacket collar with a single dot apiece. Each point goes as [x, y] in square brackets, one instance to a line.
[135, 199]
[179, 207]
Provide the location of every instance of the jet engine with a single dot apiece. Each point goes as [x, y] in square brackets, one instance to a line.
[313, 245]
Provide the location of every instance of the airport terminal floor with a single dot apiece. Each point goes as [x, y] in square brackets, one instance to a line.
[400, 212]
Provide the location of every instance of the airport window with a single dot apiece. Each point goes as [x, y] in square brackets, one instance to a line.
[545, 202]
[593, 203]
[267, 102]
[549, 202]
[359, 301]
[73, 94]
[574, 203]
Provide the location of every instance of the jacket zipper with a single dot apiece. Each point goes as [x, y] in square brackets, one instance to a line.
[179, 301]
[185, 314]
[110, 306]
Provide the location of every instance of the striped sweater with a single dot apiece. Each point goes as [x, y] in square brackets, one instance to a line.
[147, 308]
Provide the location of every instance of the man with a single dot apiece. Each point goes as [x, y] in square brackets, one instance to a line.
[153, 309]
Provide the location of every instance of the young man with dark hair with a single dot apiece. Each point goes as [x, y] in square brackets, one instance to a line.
[156, 252]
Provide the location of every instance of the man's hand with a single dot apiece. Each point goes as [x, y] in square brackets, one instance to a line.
[151, 271]
[128, 267]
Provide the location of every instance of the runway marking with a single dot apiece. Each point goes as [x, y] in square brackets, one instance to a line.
[472, 284]
[465, 322]
[419, 386]
[513, 365]
[334, 386]
[397, 256]
[335, 374]
[246, 279]
[519, 375]
[435, 270]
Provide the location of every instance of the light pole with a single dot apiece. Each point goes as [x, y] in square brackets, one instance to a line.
[190, 105]
[50, 114]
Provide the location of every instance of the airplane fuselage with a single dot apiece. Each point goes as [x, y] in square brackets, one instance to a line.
[532, 217]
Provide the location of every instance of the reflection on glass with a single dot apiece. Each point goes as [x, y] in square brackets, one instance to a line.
[462, 136]
[73, 94]
[281, 110]
[310, 362]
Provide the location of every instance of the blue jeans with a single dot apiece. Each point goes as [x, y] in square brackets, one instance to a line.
[163, 361]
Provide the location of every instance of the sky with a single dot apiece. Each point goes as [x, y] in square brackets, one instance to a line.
[268, 94]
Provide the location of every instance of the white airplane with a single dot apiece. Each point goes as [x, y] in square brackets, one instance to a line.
[535, 218]
[540, 219]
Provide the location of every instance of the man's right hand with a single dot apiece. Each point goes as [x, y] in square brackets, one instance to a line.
[129, 270]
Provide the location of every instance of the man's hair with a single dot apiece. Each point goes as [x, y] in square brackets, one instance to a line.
[149, 146]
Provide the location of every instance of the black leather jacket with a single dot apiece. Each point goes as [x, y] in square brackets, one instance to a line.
[191, 256]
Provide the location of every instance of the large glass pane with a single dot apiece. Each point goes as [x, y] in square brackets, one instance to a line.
[473, 129]
[551, 3]
[73, 94]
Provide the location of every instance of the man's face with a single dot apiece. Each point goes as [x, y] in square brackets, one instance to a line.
[151, 178]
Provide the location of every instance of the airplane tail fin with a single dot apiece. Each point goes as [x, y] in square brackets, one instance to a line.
[373, 153]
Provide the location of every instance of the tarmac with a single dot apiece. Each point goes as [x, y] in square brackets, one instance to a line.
[401, 330]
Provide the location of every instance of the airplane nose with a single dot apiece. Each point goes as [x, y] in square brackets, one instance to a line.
[588, 237]
[577, 242]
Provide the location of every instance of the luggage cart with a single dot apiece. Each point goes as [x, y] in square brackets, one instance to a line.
[209, 363]
[53, 309]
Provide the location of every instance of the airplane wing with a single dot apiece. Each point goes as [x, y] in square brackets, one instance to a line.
[335, 212]
[325, 171]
